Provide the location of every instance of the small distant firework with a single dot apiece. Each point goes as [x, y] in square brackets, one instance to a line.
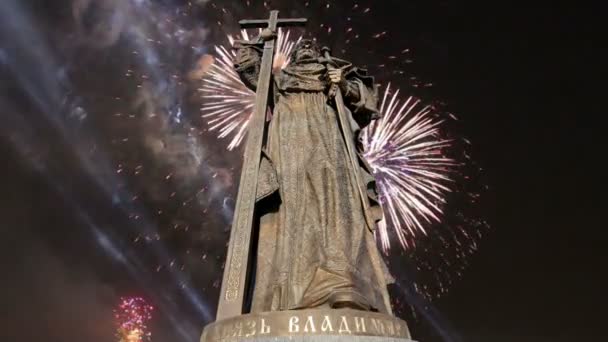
[132, 316]
[407, 155]
[228, 102]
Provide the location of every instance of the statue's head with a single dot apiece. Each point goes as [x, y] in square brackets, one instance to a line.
[305, 49]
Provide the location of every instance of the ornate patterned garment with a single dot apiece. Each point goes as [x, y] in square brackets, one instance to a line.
[314, 247]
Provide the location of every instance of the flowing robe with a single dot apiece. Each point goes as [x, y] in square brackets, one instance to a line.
[314, 247]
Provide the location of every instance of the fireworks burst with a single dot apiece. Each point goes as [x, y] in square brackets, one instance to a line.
[406, 153]
[228, 102]
[404, 148]
[131, 317]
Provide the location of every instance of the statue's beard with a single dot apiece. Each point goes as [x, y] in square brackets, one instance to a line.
[305, 54]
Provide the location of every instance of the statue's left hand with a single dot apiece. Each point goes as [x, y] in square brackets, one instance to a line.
[336, 76]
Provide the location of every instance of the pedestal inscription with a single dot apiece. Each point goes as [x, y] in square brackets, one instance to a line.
[341, 322]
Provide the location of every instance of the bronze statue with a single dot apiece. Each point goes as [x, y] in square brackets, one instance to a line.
[315, 245]
[302, 259]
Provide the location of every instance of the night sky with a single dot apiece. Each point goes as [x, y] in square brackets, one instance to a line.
[101, 201]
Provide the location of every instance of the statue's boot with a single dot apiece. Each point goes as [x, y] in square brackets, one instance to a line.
[348, 299]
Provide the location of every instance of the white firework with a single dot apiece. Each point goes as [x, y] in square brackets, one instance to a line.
[405, 150]
[228, 102]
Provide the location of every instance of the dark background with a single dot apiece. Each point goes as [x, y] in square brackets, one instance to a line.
[527, 83]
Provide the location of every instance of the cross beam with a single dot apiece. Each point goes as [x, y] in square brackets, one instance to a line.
[265, 23]
[238, 259]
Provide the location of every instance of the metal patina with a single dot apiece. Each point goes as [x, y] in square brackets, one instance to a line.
[302, 259]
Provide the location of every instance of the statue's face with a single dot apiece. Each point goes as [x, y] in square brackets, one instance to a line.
[306, 49]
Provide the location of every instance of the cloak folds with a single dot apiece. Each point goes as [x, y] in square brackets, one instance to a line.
[314, 247]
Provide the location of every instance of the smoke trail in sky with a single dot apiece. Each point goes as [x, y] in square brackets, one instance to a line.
[43, 76]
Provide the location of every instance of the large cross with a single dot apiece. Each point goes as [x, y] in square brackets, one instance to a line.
[238, 260]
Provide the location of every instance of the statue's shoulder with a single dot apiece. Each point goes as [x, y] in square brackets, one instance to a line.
[362, 74]
[351, 70]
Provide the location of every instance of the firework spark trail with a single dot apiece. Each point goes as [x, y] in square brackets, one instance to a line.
[163, 97]
[27, 145]
[404, 149]
[43, 78]
[156, 41]
[174, 142]
[160, 95]
[416, 166]
[132, 316]
[406, 153]
[228, 102]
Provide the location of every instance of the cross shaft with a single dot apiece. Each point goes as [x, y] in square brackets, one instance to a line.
[238, 267]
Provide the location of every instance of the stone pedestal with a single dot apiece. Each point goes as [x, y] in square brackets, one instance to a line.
[317, 325]
[321, 338]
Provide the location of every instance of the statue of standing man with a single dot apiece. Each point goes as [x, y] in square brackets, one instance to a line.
[314, 214]
[302, 260]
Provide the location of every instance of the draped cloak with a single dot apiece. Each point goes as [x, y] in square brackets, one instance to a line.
[314, 246]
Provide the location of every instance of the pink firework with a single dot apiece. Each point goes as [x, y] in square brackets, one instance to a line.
[132, 316]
